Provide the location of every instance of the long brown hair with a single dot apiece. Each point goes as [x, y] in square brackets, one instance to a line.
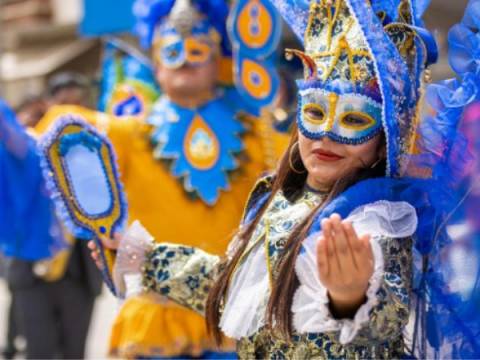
[291, 182]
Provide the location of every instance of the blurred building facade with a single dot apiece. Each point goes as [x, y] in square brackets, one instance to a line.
[37, 39]
[41, 37]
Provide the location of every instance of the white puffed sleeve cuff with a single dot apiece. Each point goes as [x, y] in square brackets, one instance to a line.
[310, 307]
[131, 256]
[311, 312]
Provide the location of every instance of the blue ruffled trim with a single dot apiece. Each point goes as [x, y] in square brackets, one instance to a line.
[464, 41]
[413, 191]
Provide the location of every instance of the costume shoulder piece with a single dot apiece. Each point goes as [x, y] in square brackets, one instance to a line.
[201, 144]
[258, 196]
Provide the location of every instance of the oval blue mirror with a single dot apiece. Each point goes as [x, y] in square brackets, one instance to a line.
[83, 176]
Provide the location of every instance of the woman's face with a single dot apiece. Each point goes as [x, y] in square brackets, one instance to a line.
[328, 161]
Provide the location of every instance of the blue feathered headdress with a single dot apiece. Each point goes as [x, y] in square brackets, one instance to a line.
[376, 49]
[150, 12]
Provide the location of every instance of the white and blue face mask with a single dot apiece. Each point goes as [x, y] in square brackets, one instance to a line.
[173, 50]
[346, 117]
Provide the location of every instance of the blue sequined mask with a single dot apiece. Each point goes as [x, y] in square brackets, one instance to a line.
[347, 118]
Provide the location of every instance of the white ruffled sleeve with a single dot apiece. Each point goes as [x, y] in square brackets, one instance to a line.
[131, 257]
[180, 273]
[311, 314]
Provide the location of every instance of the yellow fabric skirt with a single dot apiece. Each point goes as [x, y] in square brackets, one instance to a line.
[143, 324]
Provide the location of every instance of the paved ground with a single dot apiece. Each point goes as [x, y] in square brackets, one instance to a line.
[104, 313]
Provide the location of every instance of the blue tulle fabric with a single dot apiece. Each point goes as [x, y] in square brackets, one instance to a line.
[150, 12]
[448, 290]
[28, 228]
[464, 41]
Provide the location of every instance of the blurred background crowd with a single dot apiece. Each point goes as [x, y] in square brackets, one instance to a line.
[49, 55]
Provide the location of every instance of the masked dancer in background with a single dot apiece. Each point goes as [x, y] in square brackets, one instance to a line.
[189, 165]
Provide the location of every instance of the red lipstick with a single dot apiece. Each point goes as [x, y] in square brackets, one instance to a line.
[326, 155]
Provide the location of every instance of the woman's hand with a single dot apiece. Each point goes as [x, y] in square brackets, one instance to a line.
[107, 243]
[345, 265]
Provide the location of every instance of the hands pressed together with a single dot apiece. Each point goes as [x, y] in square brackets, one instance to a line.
[345, 265]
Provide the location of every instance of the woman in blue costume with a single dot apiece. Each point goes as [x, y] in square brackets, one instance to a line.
[346, 243]
[27, 224]
[51, 279]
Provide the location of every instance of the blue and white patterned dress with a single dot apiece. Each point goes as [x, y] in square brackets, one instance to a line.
[185, 275]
